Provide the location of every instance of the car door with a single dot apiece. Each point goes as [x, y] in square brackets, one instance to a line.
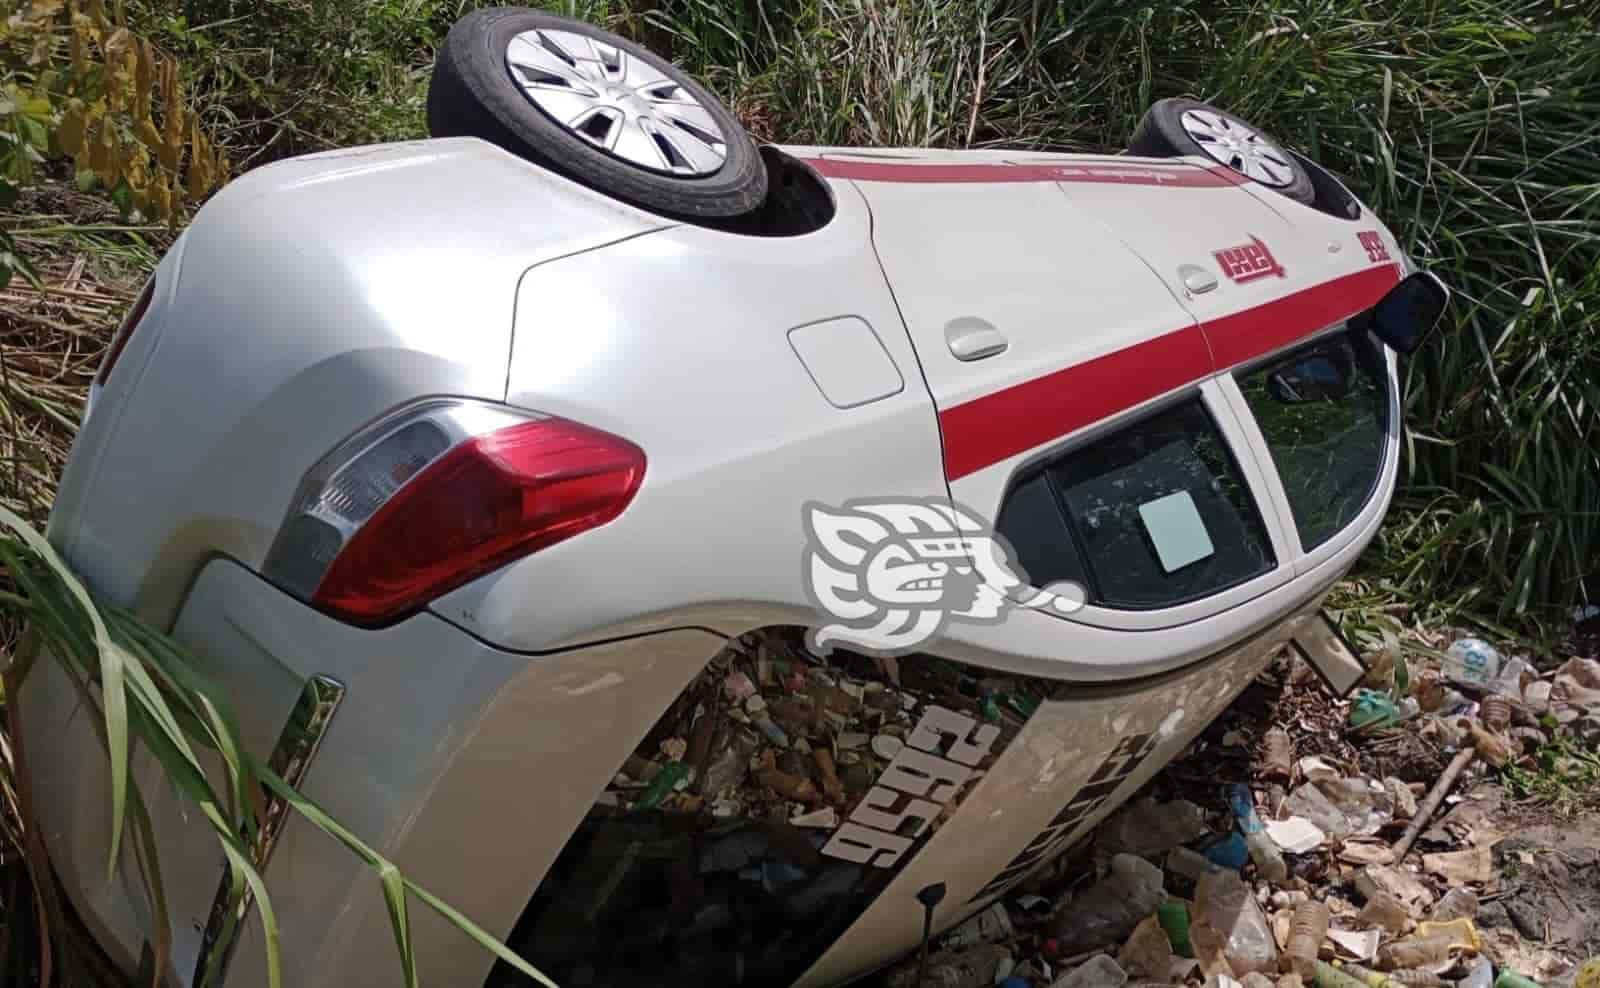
[1038, 329]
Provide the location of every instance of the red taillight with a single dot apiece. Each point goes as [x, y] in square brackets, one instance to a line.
[491, 499]
[130, 322]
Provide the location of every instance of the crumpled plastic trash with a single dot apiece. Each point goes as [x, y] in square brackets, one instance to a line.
[1226, 915]
[1108, 911]
[1099, 971]
[969, 967]
[1575, 690]
[1147, 952]
[1146, 827]
[1342, 807]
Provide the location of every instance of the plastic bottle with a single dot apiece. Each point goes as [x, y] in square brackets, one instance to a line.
[1231, 852]
[1099, 971]
[1307, 930]
[1189, 863]
[1174, 918]
[1268, 859]
[1457, 903]
[1278, 755]
[1511, 979]
[1328, 976]
[1225, 906]
[1417, 951]
[1395, 979]
[1471, 660]
[1479, 975]
[1109, 910]
[1495, 712]
[993, 925]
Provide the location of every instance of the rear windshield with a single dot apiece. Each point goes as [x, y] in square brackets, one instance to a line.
[1152, 515]
[1323, 410]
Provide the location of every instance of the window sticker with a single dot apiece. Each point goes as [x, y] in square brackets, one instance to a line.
[1176, 529]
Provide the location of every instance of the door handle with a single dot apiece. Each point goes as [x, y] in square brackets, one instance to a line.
[972, 338]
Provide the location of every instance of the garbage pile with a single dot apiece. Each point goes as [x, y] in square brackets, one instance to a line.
[1317, 872]
[772, 731]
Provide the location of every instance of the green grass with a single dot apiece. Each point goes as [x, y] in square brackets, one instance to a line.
[1564, 777]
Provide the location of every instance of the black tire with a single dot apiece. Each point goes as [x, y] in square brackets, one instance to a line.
[1161, 134]
[473, 94]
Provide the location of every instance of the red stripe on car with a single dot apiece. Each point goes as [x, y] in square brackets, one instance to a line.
[985, 430]
[1174, 176]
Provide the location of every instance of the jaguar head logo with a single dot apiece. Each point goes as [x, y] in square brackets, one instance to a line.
[888, 574]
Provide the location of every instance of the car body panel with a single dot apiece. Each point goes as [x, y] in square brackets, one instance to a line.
[312, 296]
[1078, 757]
[728, 416]
[301, 302]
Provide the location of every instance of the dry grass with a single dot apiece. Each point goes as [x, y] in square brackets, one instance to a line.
[90, 267]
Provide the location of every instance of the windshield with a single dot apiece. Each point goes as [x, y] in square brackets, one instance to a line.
[1323, 410]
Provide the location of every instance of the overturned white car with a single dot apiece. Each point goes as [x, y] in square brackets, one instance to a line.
[680, 554]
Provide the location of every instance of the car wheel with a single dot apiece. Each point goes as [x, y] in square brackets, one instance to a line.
[1186, 126]
[596, 108]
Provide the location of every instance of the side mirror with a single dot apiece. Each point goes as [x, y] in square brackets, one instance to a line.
[1404, 317]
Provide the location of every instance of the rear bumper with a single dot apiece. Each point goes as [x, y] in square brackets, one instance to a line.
[467, 766]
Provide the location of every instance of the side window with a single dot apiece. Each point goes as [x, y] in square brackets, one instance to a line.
[1323, 410]
[1154, 515]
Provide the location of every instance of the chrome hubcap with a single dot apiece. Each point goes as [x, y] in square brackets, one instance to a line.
[1240, 148]
[617, 103]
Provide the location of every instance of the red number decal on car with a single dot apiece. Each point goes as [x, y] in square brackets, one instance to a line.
[1247, 262]
[1376, 251]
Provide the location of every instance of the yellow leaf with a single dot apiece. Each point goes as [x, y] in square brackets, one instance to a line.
[79, 45]
[43, 10]
[161, 196]
[97, 14]
[117, 42]
[70, 131]
[144, 78]
[99, 157]
[148, 134]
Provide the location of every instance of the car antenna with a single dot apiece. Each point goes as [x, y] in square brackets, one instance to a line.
[929, 897]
